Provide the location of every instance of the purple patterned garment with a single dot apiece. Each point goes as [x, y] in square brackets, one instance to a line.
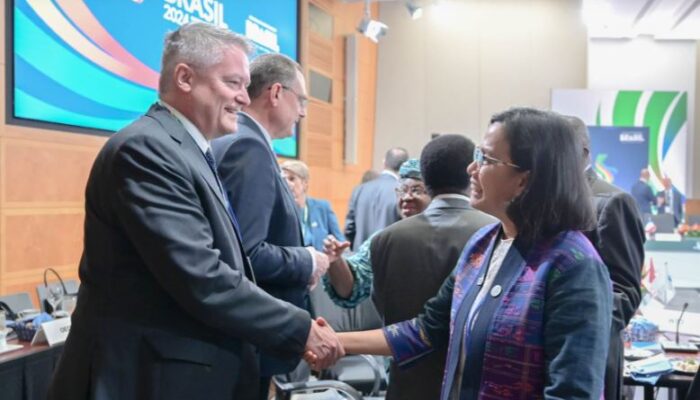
[513, 366]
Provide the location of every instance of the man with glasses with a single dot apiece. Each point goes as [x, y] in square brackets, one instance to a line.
[267, 214]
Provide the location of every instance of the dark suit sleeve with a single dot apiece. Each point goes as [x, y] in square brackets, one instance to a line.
[620, 243]
[350, 228]
[160, 211]
[332, 220]
[249, 178]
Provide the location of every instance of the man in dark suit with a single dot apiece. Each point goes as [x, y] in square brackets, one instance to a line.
[168, 307]
[253, 182]
[619, 239]
[671, 201]
[412, 257]
[373, 204]
[642, 193]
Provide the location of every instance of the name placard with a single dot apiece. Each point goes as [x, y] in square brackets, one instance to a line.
[52, 332]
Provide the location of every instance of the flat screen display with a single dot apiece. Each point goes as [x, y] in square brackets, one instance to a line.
[94, 64]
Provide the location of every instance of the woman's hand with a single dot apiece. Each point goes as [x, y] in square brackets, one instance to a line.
[334, 248]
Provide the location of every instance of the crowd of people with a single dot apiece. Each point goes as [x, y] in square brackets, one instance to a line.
[499, 270]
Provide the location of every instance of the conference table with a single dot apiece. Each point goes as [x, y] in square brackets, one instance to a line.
[680, 382]
[25, 374]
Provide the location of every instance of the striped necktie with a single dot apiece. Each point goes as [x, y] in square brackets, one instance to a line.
[212, 164]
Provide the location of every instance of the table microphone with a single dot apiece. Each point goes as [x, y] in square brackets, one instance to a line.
[678, 322]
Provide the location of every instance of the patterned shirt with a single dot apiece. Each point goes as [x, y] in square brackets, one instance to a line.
[361, 268]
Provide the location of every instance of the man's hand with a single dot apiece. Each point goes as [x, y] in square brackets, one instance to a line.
[323, 348]
[334, 248]
[321, 265]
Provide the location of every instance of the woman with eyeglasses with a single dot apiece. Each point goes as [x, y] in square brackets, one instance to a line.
[526, 313]
[349, 278]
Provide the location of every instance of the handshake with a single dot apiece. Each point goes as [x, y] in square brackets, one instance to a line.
[323, 346]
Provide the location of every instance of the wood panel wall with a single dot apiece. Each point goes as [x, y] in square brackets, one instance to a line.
[43, 172]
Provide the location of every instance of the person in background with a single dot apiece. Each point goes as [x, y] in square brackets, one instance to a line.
[619, 239]
[642, 193]
[369, 175]
[317, 217]
[252, 179]
[168, 307]
[672, 201]
[527, 311]
[373, 204]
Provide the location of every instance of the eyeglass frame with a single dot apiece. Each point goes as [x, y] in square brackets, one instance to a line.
[399, 190]
[302, 99]
[482, 159]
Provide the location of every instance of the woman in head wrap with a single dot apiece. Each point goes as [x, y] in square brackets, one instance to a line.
[349, 278]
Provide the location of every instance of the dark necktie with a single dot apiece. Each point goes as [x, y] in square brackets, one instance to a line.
[212, 164]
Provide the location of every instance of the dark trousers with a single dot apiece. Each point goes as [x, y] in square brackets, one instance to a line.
[264, 390]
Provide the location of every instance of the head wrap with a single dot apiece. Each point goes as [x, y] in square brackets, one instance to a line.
[410, 169]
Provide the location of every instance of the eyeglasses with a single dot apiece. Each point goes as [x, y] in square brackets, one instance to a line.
[414, 191]
[482, 159]
[302, 99]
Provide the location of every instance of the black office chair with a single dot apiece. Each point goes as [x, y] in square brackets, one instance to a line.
[334, 387]
[694, 389]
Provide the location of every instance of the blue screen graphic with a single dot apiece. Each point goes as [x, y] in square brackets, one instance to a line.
[95, 64]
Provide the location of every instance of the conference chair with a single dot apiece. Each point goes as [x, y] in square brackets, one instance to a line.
[330, 388]
[18, 301]
[364, 373]
[664, 223]
[43, 290]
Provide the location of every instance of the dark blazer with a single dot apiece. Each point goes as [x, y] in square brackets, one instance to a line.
[676, 207]
[372, 208]
[643, 196]
[320, 222]
[410, 261]
[619, 239]
[268, 218]
[165, 309]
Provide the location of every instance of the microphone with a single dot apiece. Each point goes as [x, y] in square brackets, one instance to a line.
[678, 322]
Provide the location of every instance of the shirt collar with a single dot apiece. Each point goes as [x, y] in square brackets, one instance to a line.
[191, 129]
[452, 196]
[392, 173]
[262, 129]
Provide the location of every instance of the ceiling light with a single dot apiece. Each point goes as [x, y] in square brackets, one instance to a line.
[371, 28]
[415, 11]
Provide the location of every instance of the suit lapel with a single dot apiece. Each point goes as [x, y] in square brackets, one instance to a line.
[191, 152]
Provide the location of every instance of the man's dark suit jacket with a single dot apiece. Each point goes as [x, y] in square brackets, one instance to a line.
[165, 309]
[372, 208]
[619, 239]
[268, 217]
[643, 196]
[410, 261]
[676, 207]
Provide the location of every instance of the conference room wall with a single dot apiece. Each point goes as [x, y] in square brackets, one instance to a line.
[647, 64]
[449, 71]
[43, 172]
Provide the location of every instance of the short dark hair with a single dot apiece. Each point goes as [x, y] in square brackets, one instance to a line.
[556, 197]
[443, 164]
[394, 157]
